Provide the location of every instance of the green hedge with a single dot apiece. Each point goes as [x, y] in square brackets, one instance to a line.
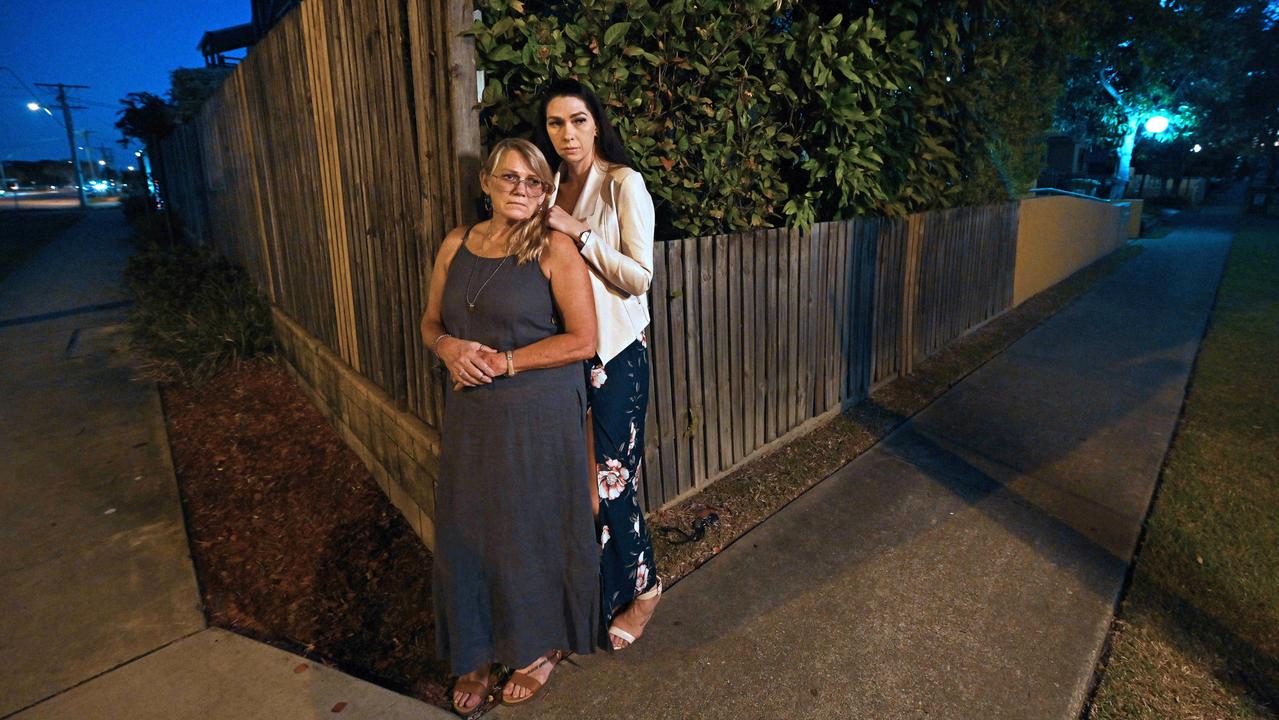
[759, 113]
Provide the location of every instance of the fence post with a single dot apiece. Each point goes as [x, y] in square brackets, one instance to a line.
[465, 113]
[910, 292]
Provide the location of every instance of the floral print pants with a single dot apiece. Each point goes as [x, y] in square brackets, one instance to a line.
[618, 396]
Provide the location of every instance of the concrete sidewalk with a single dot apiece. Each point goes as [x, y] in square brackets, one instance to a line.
[966, 567]
[99, 610]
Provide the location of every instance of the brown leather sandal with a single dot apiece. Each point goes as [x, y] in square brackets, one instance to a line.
[473, 687]
[530, 683]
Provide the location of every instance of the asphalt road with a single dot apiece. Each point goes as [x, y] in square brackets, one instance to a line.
[48, 200]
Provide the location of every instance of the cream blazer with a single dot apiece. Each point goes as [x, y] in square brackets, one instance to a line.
[619, 252]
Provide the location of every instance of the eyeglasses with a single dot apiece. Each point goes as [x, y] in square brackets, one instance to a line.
[509, 181]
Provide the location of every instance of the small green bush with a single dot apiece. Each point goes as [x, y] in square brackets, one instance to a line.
[194, 312]
[135, 204]
[152, 229]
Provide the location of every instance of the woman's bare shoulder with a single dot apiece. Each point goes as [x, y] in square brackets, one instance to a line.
[455, 236]
[560, 250]
[452, 241]
[560, 241]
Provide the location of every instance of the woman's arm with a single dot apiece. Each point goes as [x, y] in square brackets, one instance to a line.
[629, 267]
[464, 358]
[571, 289]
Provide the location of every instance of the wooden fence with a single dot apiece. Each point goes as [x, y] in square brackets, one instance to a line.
[331, 163]
[755, 334]
[334, 159]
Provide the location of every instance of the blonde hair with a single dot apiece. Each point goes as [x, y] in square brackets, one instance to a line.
[529, 237]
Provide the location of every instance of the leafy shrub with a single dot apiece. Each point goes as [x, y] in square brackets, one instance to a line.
[194, 312]
[153, 228]
[136, 204]
[757, 113]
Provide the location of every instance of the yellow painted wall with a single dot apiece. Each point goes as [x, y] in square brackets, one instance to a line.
[1134, 217]
[1059, 234]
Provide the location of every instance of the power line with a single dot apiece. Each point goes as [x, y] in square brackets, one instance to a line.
[32, 93]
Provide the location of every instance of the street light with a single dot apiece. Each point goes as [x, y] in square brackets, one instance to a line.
[37, 107]
[1156, 124]
[1197, 148]
[102, 162]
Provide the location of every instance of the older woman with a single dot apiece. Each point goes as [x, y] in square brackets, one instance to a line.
[603, 204]
[511, 315]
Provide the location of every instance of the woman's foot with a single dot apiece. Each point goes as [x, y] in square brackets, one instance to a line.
[470, 690]
[628, 625]
[527, 681]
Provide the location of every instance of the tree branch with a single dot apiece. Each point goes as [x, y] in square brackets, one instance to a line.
[1109, 87]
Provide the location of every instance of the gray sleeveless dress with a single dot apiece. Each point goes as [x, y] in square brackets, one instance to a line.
[516, 561]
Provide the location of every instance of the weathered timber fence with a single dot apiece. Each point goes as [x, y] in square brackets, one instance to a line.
[329, 164]
[753, 335]
[338, 154]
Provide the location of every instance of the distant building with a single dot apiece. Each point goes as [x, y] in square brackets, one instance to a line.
[217, 45]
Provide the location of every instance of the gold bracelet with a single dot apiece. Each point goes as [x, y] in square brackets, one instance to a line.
[510, 363]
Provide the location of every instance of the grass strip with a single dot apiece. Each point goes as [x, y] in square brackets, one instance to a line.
[750, 495]
[1198, 633]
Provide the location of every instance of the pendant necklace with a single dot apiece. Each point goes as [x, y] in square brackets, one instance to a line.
[470, 301]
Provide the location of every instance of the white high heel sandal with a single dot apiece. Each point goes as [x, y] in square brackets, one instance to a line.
[620, 634]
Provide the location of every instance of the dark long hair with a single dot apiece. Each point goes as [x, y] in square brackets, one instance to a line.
[608, 146]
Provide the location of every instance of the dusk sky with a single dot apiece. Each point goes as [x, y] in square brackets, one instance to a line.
[114, 47]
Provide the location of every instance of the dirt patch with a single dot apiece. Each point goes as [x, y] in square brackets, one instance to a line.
[293, 541]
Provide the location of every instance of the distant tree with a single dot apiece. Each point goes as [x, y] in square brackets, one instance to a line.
[1177, 58]
[1248, 123]
[149, 118]
[144, 117]
[189, 88]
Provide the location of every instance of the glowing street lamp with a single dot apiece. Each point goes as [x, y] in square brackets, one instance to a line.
[33, 106]
[102, 162]
[1156, 124]
[1197, 148]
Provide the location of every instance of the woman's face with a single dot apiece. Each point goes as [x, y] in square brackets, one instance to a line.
[508, 186]
[572, 129]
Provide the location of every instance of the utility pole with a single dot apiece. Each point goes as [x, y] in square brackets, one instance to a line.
[88, 154]
[105, 153]
[66, 116]
[4, 178]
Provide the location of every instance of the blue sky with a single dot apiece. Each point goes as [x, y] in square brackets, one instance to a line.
[115, 47]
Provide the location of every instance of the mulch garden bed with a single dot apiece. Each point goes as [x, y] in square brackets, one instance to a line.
[294, 543]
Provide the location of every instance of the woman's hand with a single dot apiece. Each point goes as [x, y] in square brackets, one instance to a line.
[559, 219]
[495, 360]
[469, 362]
